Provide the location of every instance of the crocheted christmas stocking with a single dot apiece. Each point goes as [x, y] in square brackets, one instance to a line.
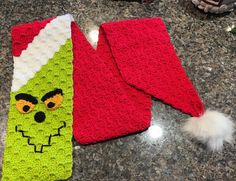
[38, 144]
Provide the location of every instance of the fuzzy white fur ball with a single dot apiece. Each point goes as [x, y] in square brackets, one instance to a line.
[212, 128]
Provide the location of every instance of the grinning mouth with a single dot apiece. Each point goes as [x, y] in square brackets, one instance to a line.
[43, 145]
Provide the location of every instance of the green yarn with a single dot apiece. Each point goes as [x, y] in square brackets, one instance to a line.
[21, 162]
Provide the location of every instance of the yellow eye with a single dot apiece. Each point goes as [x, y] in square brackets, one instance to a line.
[54, 102]
[24, 106]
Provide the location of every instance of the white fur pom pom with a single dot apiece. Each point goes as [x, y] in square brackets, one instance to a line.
[212, 128]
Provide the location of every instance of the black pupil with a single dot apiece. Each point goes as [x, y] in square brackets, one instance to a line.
[26, 108]
[51, 105]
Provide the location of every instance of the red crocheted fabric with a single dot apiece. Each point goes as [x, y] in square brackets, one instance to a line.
[24, 34]
[113, 84]
[105, 106]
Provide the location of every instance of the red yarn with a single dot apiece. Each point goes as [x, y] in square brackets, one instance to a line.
[113, 84]
[24, 34]
[105, 106]
[147, 60]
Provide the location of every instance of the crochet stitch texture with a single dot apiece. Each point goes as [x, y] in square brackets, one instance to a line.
[38, 144]
[113, 84]
[110, 90]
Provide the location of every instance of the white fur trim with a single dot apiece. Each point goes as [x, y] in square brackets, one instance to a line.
[213, 128]
[40, 50]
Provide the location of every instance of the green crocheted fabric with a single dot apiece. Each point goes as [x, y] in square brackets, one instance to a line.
[42, 149]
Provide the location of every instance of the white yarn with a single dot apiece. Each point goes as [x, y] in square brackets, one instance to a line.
[212, 128]
[40, 50]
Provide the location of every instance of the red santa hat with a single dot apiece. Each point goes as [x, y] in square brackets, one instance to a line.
[144, 56]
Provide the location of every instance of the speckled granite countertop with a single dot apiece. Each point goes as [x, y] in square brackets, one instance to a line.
[208, 53]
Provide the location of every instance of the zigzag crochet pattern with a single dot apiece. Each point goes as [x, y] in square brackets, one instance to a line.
[59, 77]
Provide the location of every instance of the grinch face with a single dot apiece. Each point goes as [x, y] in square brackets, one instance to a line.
[40, 117]
[31, 109]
